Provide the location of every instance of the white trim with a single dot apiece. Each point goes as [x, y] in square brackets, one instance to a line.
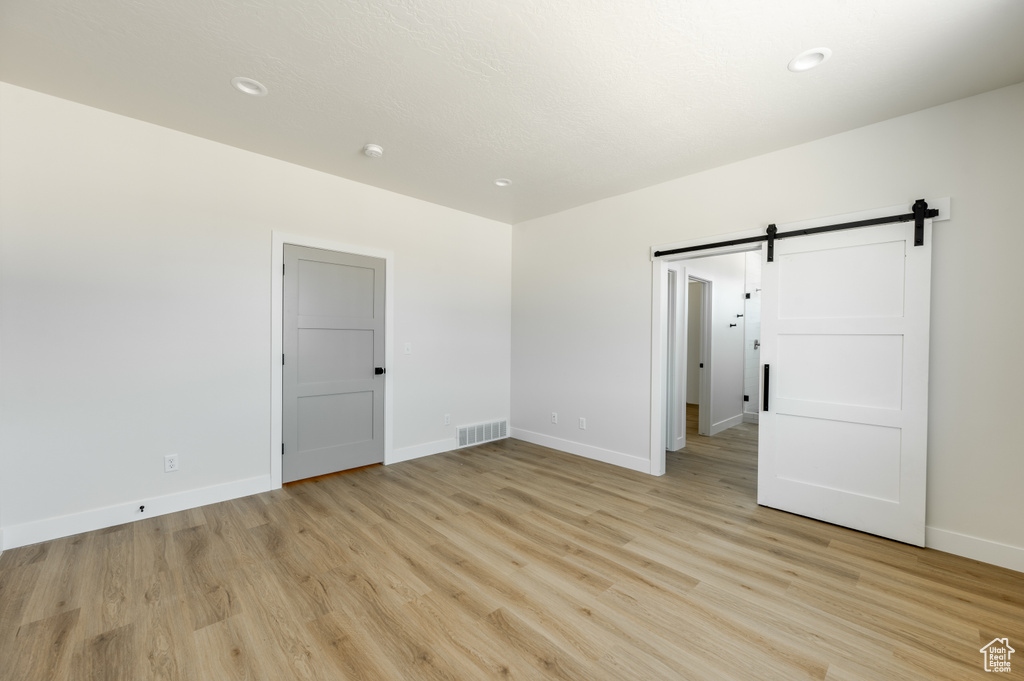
[629, 461]
[2, 545]
[728, 423]
[976, 548]
[659, 326]
[675, 362]
[659, 332]
[279, 239]
[108, 516]
[425, 449]
[749, 417]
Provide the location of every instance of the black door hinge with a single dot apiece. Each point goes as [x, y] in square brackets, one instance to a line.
[282, 269]
[282, 449]
[282, 358]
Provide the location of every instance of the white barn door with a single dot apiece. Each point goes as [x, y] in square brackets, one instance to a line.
[844, 358]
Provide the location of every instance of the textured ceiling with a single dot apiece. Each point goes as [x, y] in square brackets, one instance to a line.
[574, 101]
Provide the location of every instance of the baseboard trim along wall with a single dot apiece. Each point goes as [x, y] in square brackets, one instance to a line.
[717, 428]
[419, 451]
[14, 536]
[635, 463]
[108, 516]
[984, 550]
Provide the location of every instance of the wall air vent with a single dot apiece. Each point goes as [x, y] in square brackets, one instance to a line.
[482, 432]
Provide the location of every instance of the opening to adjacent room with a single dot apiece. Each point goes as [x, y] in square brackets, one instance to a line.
[711, 361]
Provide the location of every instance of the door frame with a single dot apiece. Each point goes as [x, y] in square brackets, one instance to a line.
[676, 352]
[677, 355]
[659, 303]
[279, 239]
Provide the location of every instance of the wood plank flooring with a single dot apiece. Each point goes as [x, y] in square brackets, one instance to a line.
[504, 561]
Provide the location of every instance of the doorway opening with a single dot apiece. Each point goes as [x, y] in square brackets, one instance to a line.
[712, 355]
[704, 350]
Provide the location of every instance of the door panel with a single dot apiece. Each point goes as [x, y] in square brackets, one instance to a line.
[869, 375]
[334, 354]
[328, 421]
[335, 289]
[333, 339]
[841, 282]
[857, 458]
[845, 332]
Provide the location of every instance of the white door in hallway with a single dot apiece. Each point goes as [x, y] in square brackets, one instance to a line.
[844, 354]
[333, 401]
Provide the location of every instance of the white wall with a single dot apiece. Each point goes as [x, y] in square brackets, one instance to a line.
[582, 295]
[135, 296]
[695, 304]
[726, 274]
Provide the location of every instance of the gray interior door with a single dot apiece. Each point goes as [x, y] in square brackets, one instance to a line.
[333, 346]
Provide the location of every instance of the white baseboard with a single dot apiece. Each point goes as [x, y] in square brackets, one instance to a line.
[717, 428]
[2, 545]
[425, 449]
[750, 418]
[629, 461]
[985, 550]
[108, 516]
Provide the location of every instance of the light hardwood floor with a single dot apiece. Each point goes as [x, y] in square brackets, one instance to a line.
[505, 561]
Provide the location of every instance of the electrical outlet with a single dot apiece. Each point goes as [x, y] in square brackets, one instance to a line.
[170, 463]
[447, 419]
[554, 417]
[583, 423]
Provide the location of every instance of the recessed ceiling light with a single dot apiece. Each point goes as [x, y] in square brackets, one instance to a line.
[249, 86]
[373, 150]
[809, 59]
[503, 182]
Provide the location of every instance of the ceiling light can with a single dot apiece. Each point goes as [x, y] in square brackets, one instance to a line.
[373, 150]
[808, 59]
[249, 86]
[503, 182]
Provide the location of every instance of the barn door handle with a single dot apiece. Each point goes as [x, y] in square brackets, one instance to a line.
[765, 388]
[377, 371]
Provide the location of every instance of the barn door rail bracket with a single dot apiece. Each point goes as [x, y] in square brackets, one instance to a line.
[919, 212]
